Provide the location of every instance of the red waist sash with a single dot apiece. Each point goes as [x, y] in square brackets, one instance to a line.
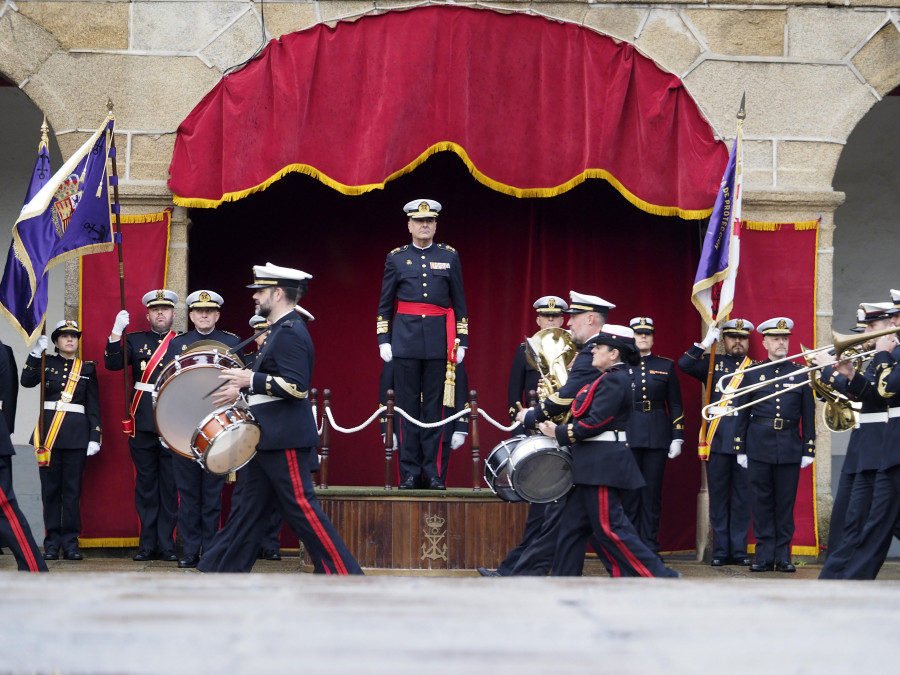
[424, 309]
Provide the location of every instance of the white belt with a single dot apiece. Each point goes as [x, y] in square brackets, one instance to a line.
[143, 386]
[866, 418]
[1, 405]
[68, 407]
[259, 399]
[608, 436]
[894, 412]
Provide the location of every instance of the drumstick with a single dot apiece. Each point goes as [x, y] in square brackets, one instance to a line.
[224, 384]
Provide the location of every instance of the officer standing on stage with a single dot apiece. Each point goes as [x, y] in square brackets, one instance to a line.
[655, 431]
[69, 434]
[155, 496]
[421, 314]
[279, 473]
[729, 490]
[523, 378]
[199, 491]
[775, 439]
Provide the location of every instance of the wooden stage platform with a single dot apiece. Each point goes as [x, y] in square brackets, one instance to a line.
[423, 531]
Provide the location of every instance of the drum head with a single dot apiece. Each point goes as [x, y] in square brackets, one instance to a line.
[210, 345]
[231, 449]
[540, 471]
[496, 470]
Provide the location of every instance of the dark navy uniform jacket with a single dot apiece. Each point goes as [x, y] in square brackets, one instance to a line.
[658, 416]
[9, 391]
[182, 343]
[864, 448]
[560, 401]
[696, 364]
[141, 346]
[760, 435]
[77, 429]
[433, 276]
[283, 371]
[888, 382]
[522, 379]
[604, 405]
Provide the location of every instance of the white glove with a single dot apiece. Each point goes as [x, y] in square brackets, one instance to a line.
[121, 322]
[40, 346]
[460, 354]
[711, 336]
[675, 448]
[93, 448]
[742, 461]
[805, 461]
[395, 446]
[458, 439]
[386, 353]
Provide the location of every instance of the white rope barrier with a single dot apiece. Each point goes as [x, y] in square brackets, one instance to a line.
[496, 423]
[425, 425]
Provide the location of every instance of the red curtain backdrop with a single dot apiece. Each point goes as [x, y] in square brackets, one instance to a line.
[107, 503]
[531, 105]
[777, 277]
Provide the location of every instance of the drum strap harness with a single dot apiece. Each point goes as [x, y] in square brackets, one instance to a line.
[145, 378]
[42, 452]
[733, 384]
[424, 309]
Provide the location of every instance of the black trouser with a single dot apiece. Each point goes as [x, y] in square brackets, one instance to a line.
[774, 490]
[155, 496]
[849, 516]
[199, 504]
[14, 529]
[644, 505]
[419, 387]
[598, 510]
[61, 497]
[882, 524]
[729, 505]
[277, 478]
[532, 527]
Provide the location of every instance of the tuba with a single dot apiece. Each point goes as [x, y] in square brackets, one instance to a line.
[550, 352]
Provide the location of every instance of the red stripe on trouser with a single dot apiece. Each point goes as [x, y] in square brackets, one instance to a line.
[603, 504]
[18, 532]
[306, 507]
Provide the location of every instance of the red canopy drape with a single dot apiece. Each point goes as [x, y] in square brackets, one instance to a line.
[532, 106]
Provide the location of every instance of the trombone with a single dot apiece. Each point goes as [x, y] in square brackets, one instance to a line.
[841, 344]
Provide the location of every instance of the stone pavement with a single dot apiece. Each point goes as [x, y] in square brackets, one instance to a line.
[108, 614]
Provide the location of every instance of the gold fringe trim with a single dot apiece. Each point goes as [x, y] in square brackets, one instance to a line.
[654, 209]
[776, 227]
[123, 542]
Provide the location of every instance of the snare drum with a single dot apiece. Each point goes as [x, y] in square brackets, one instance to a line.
[529, 468]
[178, 396]
[496, 470]
[225, 440]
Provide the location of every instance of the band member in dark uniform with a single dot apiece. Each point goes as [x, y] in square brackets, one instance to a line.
[279, 473]
[15, 533]
[421, 314]
[199, 491]
[603, 466]
[155, 496]
[853, 498]
[655, 431]
[775, 439]
[729, 490]
[523, 378]
[69, 434]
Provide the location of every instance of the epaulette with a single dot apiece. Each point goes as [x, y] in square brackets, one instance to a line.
[89, 363]
[447, 247]
[287, 323]
[398, 249]
[665, 358]
[228, 332]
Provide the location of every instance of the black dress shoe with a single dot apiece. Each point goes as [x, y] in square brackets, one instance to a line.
[743, 561]
[189, 561]
[271, 555]
[142, 556]
[168, 556]
[436, 484]
[73, 554]
[785, 566]
[408, 483]
[51, 554]
[762, 567]
[485, 572]
[718, 562]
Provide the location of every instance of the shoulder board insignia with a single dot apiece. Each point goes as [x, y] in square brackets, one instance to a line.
[447, 247]
[665, 358]
[398, 249]
[89, 363]
[228, 332]
[288, 323]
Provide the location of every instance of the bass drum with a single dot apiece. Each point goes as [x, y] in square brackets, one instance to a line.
[181, 396]
[496, 470]
[539, 470]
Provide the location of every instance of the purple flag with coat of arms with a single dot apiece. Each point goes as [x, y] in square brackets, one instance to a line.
[66, 217]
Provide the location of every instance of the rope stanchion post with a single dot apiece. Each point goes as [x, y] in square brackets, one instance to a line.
[326, 439]
[389, 439]
[476, 442]
[532, 398]
[314, 402]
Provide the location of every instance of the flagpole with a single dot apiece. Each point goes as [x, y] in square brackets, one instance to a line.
[126, 420]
